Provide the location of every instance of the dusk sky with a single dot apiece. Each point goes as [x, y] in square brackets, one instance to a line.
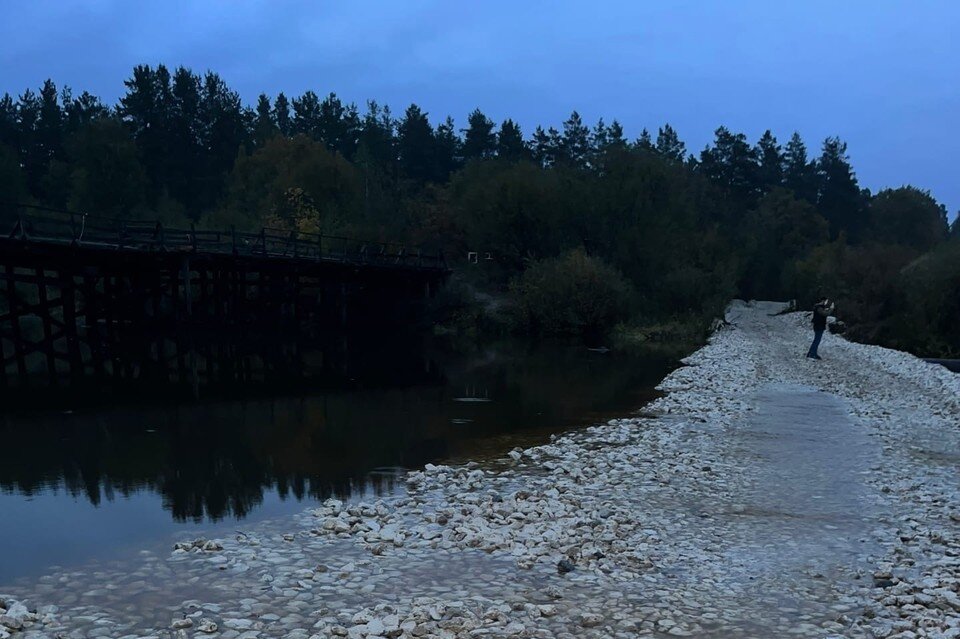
[882, 75]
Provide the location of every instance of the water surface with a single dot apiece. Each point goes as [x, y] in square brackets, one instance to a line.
[90, 481]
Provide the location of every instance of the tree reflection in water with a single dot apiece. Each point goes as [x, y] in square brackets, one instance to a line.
[217, 458]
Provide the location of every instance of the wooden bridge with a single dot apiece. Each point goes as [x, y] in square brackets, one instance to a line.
[80, 294]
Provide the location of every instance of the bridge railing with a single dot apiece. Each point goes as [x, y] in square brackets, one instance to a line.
[41, 224]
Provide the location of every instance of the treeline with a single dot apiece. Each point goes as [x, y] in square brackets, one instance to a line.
[634, 229]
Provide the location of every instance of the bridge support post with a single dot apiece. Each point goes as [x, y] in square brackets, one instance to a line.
[91, 317]
[45, 311]
[16, 332]
[68, 299]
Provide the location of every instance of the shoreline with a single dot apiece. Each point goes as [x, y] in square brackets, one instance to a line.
[666, 525]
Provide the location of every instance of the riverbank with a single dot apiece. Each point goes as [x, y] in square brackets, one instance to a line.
[763, 495]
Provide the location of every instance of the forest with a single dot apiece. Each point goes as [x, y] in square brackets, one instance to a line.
[575, 228]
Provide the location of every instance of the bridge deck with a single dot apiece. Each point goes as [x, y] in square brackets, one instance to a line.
[51, 227]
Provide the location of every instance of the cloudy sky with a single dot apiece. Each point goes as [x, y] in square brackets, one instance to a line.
[882, 74]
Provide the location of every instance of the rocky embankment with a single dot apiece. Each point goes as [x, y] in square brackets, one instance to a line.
[764, 495]
[15, 616]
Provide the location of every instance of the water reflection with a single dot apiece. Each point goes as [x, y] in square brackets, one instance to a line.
[221, 458]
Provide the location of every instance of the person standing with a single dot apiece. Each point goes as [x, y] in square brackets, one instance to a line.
[821, 310]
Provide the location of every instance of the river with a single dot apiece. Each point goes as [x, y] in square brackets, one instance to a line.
[87, 480]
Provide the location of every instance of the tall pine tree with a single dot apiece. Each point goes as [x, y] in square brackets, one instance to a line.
[8, 122]
[185, 147]
[264, 126]
[838, 194]
[77, 112]
[49, 135]
[644, 143]
[770, 173]
[543, 148]
[145, 109]
[222, 134]
[448, 149]
[731, 163]
[416, 146]
[306, 115]
[575, 143]
[480, 140]
[32, 158]
[281, 115]
[378, 137]
[669, 144]
[510, 145]
[799, 174]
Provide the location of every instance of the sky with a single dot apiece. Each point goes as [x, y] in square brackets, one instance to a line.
[884, 75]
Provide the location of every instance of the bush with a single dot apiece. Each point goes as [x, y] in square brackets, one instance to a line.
[889, 294]
[291, 183]
[927, 320]
[909, 217]
[574, 294]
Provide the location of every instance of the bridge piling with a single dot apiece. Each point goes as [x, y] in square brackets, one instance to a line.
[68, 304]
[13, 313]
[47, 338]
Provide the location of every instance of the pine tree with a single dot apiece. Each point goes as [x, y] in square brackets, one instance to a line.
[645, 142]
[599, 137]
[78, 112]
[416, 146]
[185, 150]
[838, 194]
[575, 143]
[799, 174]
[771, 162]
[159, 163]
[510, 143]
[145, 109]
[8, 122]
[306, 115]
[12, 187]
[50, 138]
[377, 136]
[669, 144]
[608, 142]
[479, 141]
[540, 147]
[338, 125]
[264, 126]
[615, 138]
[281, 115]
[222, 134]
[731, 163]
[350, 127]
[448, 149]
[49, 130]
[330, 121]
[31, 152]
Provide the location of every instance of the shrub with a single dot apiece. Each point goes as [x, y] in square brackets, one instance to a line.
[928, 320]
[574, 294]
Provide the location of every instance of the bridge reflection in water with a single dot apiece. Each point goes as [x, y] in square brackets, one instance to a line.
[273, 416]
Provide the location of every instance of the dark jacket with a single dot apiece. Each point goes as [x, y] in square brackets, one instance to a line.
[820, 313]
